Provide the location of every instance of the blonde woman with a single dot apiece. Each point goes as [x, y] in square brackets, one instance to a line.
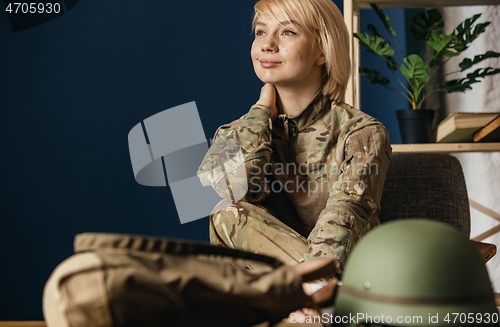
[315, 166]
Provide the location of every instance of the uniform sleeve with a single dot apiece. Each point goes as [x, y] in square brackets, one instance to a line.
[235, 165]
[354, 198]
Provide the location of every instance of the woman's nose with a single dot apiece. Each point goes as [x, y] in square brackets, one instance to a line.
[269, 45]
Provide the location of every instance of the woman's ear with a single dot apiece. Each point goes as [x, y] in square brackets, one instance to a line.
[321, 60]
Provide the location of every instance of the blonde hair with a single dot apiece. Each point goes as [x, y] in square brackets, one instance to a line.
[324, 21]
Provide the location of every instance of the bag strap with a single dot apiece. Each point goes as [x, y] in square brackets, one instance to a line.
[93, 241]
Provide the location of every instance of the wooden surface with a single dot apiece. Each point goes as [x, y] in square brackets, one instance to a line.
[22, 324]
[42, 324]
[490, 213]
[289, 324]
[487, 250]
[446, 147]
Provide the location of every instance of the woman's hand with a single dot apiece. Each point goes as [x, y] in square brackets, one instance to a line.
[268, 99]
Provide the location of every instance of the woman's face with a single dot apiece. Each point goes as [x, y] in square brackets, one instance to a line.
[284, 53]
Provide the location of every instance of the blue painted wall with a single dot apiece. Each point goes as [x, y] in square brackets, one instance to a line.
[376, 100]
[71, 90]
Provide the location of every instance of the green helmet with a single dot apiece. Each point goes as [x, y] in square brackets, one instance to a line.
[415, 273]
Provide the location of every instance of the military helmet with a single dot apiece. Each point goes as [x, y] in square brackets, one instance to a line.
[415, 272]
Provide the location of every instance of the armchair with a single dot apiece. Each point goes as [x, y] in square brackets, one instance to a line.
[429, 186]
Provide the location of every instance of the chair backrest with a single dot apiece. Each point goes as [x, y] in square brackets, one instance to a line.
[426, 185]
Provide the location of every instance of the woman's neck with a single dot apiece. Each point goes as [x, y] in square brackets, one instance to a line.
[291, 101]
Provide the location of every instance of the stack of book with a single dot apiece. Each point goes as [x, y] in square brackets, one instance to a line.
[468, 127]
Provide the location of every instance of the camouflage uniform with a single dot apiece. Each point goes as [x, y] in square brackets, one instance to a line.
[314, 181]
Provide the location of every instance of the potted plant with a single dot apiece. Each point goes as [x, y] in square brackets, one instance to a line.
[426, 26]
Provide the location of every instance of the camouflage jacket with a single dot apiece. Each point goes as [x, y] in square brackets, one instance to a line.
[320, 172]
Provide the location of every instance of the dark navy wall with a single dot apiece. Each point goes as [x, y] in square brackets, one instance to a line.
[71, 90]
[376, 100]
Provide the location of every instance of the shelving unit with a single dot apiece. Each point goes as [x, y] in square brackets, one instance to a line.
[447, 147]
[351, 16]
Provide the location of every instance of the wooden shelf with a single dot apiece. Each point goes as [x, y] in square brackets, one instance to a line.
[365, 4]
[22, 324]
[446, 147]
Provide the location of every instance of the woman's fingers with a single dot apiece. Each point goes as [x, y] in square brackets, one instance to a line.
[321, 267]
[321, 293]
[268, 99]
[324, 296]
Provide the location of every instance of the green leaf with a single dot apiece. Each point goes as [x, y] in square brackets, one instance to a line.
[467, 63]
[384, 18]
[373, 76]
[482, 72]
[466, 34]
[463, 84]
[373, 29]
[414, 69]
[391, 63]
[425, 24]
[415, 73]
[442, 45]
[377, 45]
[466, 25]
[453, 45]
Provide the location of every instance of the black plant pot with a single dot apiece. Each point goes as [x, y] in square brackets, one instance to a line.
[415, 125]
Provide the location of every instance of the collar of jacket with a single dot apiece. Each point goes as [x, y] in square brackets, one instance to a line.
[307, 116]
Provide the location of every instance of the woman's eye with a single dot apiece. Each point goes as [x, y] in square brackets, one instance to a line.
[288, 32]
[259, 33]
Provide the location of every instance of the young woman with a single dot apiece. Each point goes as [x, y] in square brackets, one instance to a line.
[313, 165]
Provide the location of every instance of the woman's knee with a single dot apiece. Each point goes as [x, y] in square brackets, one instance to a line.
[227, 220]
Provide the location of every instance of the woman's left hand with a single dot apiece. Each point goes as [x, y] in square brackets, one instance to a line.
[268, 99]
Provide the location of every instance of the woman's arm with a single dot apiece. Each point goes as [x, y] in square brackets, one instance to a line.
[237, 162]
[354, 199]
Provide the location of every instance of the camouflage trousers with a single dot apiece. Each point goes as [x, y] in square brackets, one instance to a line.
[125, 280]
[248, 227]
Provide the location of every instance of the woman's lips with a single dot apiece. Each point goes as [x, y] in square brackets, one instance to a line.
[269, 63]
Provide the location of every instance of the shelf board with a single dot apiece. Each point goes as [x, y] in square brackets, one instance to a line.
[365, 4]
[22, 324]
[446, 147]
